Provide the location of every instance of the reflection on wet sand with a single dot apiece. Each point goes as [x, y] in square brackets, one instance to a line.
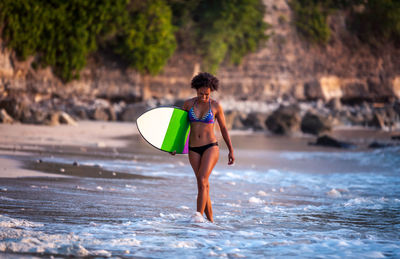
[82, 170]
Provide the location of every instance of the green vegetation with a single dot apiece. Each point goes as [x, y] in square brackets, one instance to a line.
[62, 34]
[374, 21]
[224, 30]
[311, 20]
[147, 40]
[379, 22]
[228, 30]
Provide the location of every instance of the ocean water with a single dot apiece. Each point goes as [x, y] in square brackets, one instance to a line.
[272, 203]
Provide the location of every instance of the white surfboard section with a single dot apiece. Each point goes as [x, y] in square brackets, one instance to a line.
[153, 125]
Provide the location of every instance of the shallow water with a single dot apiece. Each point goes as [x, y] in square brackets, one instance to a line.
[274, 203]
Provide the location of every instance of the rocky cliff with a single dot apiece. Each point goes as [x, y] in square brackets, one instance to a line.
[286, 67]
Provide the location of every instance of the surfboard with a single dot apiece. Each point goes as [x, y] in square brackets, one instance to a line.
[165, 128]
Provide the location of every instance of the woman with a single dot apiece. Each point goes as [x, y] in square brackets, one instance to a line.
[203, 145]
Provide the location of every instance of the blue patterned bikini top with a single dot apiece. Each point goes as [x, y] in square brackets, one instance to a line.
[207, 118]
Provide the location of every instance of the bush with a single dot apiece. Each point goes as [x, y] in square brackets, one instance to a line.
[221, 30]
[379, 22]
[62, 34]
[311, 20]
[147, 41]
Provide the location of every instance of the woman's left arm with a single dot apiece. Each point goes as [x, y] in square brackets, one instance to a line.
[224, 131]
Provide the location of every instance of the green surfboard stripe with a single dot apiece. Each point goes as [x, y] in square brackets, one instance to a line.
[177, 132]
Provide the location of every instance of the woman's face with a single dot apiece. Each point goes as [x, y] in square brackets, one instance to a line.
[203, 94]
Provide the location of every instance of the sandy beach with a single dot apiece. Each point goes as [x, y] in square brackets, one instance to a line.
[22, 144]
[23, 147]
[19, 141]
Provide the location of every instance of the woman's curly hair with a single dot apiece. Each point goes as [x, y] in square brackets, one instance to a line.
[205, 79]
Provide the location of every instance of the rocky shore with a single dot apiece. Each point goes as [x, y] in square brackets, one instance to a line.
[282, 117]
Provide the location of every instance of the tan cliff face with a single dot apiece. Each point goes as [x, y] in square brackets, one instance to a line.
[285, 66]
[288, 65]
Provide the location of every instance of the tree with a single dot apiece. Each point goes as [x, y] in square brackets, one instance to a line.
[147, 41]
[220, 30]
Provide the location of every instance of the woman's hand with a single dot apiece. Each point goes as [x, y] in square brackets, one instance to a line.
[231, 158]
[224, 131]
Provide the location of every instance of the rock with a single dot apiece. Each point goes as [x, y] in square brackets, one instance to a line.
[319, 105]
[366, 108]
[112, 116]
[378, 121]
[65, 118]
[334, 104]
[327, 141]
[17, 108]
[36, 116]
[5, 118]
[312, 90]
[396, 107]
[233, 120]
[357, 119]
[255, 121]
[343, 116]
[11, 106]
[285, 120]
[53, 119]
[315, 124]
[376, 144]
[118, 108]
[99, 114]
[391, 116]
[80, 112]
[238, 121]
[133, 111]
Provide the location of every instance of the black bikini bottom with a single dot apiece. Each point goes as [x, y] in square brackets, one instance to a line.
[200, 150]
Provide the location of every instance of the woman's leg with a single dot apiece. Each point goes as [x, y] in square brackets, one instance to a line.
[195, 159]
[207, 163]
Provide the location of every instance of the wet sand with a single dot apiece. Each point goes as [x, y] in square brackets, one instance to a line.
[23, 146]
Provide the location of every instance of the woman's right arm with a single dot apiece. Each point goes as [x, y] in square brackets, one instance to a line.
[186, 105]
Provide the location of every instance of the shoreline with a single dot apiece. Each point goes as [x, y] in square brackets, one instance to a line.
[18, 141]
[121, 140]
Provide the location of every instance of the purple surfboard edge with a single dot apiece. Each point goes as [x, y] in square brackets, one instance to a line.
[186, 148]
